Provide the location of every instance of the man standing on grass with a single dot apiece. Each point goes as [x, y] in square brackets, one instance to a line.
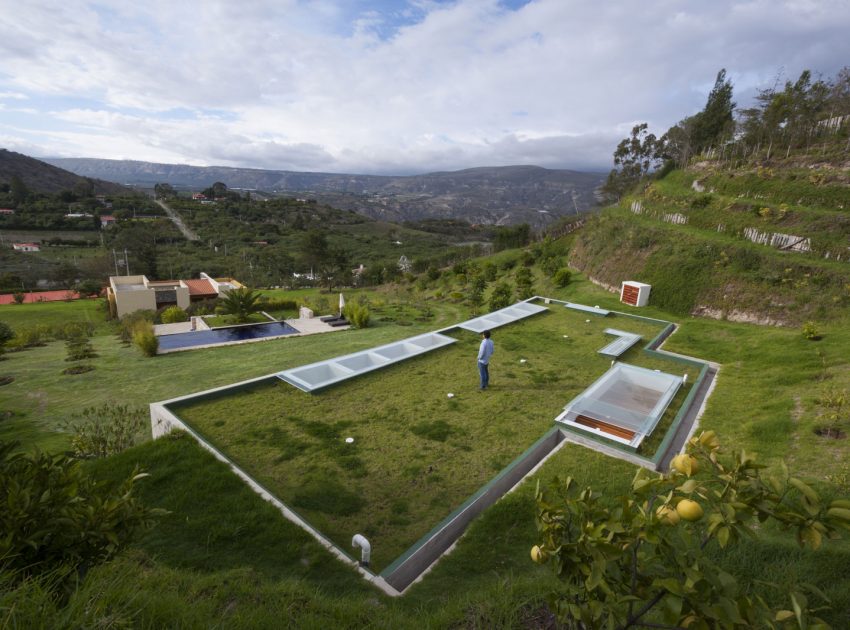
[485, 351]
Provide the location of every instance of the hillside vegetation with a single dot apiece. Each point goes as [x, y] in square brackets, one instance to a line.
[749, 222]
[696, 248]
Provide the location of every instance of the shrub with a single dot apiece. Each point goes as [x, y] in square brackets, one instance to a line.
[6, 335]
[18, 298]
[279, 305]
[131, 321]
[357, 314]
[73, 330]
[811, 332]
[32, 336]
[79, 348]
[490, 271]
[55, 519]
[508, 263]
[204, 307]
[562, 277]
[106, 430]
[145, 339]
[174, 315]
[701, 201]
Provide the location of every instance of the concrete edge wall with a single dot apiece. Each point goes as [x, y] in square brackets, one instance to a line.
[450, 530]
[164, 421]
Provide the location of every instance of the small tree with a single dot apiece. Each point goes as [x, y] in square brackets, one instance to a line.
[811, 332]
[501, 296]
[476, 293]
[646, 551]
[562, 277]
[524, 283]
[241, 303]
[18, 297]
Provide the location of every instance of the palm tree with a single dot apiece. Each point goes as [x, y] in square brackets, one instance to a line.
[240, 303]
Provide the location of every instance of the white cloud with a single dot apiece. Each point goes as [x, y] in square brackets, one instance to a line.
[314, 86]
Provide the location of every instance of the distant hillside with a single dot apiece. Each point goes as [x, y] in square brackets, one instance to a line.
[45, 178]
[497, 195]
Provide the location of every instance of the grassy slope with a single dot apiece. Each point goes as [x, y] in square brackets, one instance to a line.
[211, 562]
[708, 264]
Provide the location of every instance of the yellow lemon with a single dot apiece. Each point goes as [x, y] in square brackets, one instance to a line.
[667, 515]
[685, 464]
[538, 555]
[689, 510]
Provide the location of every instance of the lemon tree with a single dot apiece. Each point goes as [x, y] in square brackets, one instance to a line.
[640, 559]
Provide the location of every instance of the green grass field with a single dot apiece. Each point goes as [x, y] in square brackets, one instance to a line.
[35, 405]
[417, 454]
[225, 557]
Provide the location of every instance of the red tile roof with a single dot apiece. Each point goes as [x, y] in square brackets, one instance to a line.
[200, 287]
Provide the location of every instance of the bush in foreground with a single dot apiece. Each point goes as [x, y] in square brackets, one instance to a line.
[646, 561]
[56, 521]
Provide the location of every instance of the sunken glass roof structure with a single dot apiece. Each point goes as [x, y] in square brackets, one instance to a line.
[624, 404]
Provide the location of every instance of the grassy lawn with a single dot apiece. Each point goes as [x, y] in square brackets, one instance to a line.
[417, 454]
[224, 556]
[33, 407]
[56, 314]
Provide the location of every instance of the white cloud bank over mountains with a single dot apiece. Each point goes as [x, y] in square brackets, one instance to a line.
[378, 86]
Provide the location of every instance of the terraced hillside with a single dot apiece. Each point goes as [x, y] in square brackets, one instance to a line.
[767, 242]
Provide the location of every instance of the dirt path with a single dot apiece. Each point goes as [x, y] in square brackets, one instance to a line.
[178, 221]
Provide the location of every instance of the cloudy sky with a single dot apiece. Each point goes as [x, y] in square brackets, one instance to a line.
[386, 86]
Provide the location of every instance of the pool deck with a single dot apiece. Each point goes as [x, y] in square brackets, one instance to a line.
[312, 326]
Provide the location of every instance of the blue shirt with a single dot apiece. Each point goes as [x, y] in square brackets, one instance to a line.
[485, 351]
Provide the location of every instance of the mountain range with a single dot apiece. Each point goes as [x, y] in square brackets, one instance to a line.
[487, 195]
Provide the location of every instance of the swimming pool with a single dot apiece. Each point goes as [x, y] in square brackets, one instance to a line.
[220, 336]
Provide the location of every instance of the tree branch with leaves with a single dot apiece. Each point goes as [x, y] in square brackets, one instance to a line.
[640, 560]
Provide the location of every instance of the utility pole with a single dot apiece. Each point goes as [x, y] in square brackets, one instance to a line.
[115, 260]
[126, 262]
